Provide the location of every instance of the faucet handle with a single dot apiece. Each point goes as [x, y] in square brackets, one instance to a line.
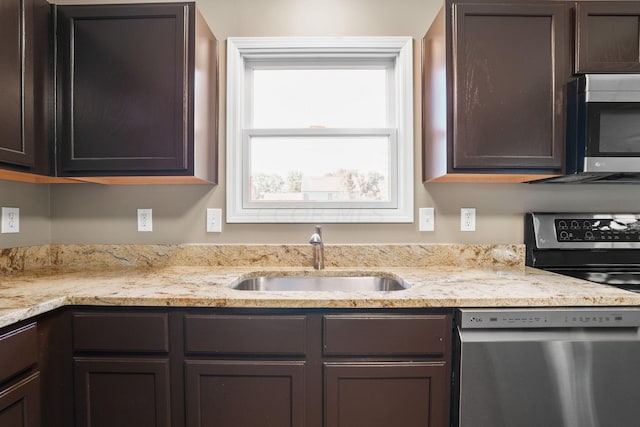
[316, 238]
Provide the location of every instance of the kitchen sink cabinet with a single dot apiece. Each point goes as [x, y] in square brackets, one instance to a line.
[493, 98]
[255, 393]
[19, 378]
[317, 369]
[245, 370]
[137, 94]
[24, 80]
[607, 37]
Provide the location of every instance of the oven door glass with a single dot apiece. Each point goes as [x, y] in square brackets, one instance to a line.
[613, 129]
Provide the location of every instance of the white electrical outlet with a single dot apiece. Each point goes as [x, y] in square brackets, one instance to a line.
[467, 219]
[10, 220]
[214, 220]
[427, 219]
[145, 220]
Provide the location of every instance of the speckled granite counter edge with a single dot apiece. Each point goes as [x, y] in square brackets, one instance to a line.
[260, 255]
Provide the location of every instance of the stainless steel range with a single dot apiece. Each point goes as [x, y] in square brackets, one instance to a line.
[602, 248]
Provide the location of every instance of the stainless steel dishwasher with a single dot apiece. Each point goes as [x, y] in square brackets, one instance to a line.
[568, 367]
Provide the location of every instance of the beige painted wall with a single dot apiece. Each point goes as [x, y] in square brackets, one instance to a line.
[34, 204]
[106, 214]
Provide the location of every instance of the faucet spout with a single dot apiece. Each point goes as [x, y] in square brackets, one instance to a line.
[318, 248]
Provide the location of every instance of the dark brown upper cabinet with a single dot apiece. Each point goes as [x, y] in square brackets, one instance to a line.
[24, 83]
[137, 94]
[607, 37]
[493, 97]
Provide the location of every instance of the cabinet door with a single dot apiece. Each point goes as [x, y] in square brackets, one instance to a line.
[245, 394]
[608, 37]
[381, 394]
[20, 403]
[16, 82]
[124, 89]
[122, 392]
[509, 71]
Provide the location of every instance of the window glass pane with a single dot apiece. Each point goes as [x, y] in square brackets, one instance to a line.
[308, 98]
[319, 169]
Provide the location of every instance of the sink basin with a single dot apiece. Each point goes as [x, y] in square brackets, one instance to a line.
[320, 283]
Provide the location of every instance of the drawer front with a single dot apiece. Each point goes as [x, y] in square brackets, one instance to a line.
[385, 335]
[121, 332]
[18, 351]
[240, 334]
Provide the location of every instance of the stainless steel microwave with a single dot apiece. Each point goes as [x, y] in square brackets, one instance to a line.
[603, 129]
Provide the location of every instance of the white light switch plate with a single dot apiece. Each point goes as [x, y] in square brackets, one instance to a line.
[214, 220]
[145, 220]
[10, 220]
[427, 219]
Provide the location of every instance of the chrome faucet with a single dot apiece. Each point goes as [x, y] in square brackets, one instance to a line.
[318, 248]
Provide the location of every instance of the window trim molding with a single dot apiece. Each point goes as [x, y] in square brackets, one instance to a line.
[240, 49]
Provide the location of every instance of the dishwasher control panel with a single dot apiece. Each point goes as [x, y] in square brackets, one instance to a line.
[548, 318]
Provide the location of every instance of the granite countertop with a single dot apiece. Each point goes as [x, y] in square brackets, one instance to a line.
[27, 294]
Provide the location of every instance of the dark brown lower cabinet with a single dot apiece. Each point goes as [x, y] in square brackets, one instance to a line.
[122, 392]
[20, 403]
[383, 394]
[224, 367]
[19, 377]
[245, 393]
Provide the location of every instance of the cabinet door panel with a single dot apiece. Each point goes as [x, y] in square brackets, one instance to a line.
[508, 92]
[377, 394]
[20, 403]
[124, 95]
[608, 37]
[245, 394]
[122, 392]
[18, 351]
[16, 82]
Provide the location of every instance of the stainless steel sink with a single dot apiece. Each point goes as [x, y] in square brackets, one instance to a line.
[320, 283]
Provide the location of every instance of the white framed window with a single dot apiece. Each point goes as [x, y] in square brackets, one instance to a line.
[319, 129]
